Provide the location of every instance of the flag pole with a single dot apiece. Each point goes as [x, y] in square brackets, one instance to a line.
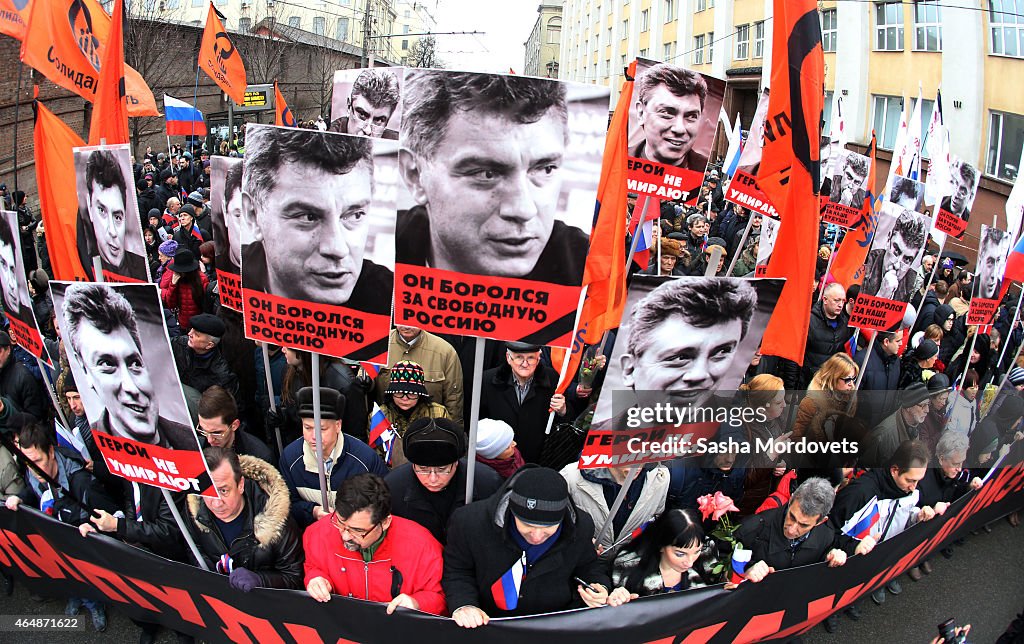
[741, 246]
[565, 363]
[474, 412]
[1016, 317]
[315, 368]
[634, 470]
[270, 394]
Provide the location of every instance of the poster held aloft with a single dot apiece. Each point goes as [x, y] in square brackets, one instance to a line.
[230, 228]
[993, 250]
[847, 188]
[320, 212]
[502, 171]
[24, 328]
[954, 210]
[136, 411]
[367, 102]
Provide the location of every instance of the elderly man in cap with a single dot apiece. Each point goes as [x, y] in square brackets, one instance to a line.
[521, 392]
[938, 402]
[198, 358]
[902, 425]
[344, 456]
[432, 484]
[526, 550]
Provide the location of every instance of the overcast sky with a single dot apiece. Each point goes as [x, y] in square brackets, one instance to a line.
[506, 25]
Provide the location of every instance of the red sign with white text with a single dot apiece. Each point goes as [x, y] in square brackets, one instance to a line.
[876, 313]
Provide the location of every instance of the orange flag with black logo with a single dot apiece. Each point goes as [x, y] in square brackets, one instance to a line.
[789, 169]
[110, 110]
[58, 199]
[282, 115]
[220, 60]
[13, 17]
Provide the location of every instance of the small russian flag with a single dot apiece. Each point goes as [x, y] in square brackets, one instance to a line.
[371, 369]
[46, 502]
[182, 118]
[381, 432]
[861, 524]
[506, 589]
[638, 531]
[1015, 262]
[740, 560]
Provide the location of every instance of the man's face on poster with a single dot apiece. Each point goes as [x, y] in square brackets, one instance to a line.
[961, 193]
[116, 371]
[670, 124]
[9, 275]
[314, 226]
[899, 255]
[683, 361]
[991, 264]
[109, 219]
[491, 191]
[851, 181]
[233, 222]
[365, 119]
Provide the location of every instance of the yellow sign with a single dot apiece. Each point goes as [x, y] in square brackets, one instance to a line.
[258, 98]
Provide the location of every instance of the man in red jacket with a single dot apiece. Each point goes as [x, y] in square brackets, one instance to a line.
[361, 550]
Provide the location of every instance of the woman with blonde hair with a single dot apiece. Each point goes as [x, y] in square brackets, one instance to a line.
[830, 396]
[766, 396]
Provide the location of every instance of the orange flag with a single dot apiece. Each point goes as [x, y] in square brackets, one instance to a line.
[64, 41]
[58, 200]
[282, 115]
[604, 276]
[220, 60]
[110, 110]
[13, 18]
[846, 267]
[790, 167]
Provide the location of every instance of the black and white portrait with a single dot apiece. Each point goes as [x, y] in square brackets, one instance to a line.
[962, 189]
[850, 179]
[230, 229]
[993, 250]
[891, 264]
[907, 193]
[16, 300]
[367, 102]
[769, 232]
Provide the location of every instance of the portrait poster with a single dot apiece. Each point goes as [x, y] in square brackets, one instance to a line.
[230, 229]
[493, 237]
[109, 226]
[684, 342]
[121, 359]
[847, 188]
[367, 102]
[907, 193]
[317, 271]
[890, 270]
[954, 210]
[672, 125]
[993, 250]
[24, 328]
[769, 233]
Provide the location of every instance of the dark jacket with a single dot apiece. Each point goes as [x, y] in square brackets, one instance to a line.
[270, 545]
[18, 385]
[157, 530]
[337, 376]
[926, 313]
[876, 482]
[83, 487]
[824, 339]
[432, 510]
[690, 482]
[763, 534]
[881, 375]
[936, 487]
[202, 371]
[480, 550]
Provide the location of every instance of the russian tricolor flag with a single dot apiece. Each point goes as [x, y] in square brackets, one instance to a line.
[506, 589]
[1015, 262]
[740, 561]
[381, 432]
[370, 369]
[182, 118]
[861, 524]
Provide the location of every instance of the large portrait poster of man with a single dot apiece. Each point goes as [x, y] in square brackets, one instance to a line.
[502, 173]
[993, 250]
[955, 209]
[672, 124]
[230, 229]
[367, 102]
[318, 271]
[16, 300]
[109, 226]
[684, 342]
[890, 268]
[847, 188]
[121, 358]
[769, 233]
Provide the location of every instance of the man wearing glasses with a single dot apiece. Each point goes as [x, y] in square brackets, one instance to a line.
[370, 106]
[432, 484]
[220, 426]
[521, 392]
[360, 550]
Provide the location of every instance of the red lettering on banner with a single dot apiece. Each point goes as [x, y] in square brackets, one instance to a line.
[172, 469]
[240, 626]
[761, 270]
[99, 577]
[665, 182]
[876, 313]
[177, 598]
[308, 635]
[840, 215]
[703, 635]
[40, 553]
[982, 310]
[607, 447]
[27, 337]
[744, 191]
[498, 308]
[120, 279]
[322, 328]
[230, 287]
[816, 611]
[950, 224]
[761, 626]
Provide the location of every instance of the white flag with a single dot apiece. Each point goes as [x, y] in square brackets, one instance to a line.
[939, 182]
[837, 134]
[750, 158]
[901, 143]
[1015, 203]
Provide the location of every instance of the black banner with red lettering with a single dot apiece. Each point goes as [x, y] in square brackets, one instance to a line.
[54, 559]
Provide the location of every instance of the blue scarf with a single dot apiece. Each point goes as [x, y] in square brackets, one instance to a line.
[533, 552]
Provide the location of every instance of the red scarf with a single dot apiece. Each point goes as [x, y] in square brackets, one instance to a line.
[505, 467]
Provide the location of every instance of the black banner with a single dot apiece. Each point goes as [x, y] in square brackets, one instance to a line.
[57, 560]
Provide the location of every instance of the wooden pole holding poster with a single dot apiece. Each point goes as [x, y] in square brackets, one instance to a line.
[565, 363]
[742, 245]
[270, 393]
[967, 362]
[474, 413]
[318, 431]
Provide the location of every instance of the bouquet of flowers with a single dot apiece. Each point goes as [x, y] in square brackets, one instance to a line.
[717, 507]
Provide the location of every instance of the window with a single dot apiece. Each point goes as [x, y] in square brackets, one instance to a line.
[244, 25]
[625, 29]
[666, 53]
[742, 42]
[1006, 19]
[711, 4]
[701, 5]
[172, 4]
[711, 46]
[1005, 137]
[295, 21]
[319, 25]
[698, 50]
[886, 119]
[829, 30]
[826, 113]
[645, 20]
[407, 14]
[670, 11]
[405, 44]
[195, 3]
[554, 30]
[644, 52]
[341, 31]
[405, 29]
[759, 39]
[927, 26]
[889, 26]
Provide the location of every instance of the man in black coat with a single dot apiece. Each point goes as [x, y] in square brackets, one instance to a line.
[829, 330]
[17, 383]
[432, 485]
[881, 369]
[199, 361]
[520, 553]
[521, 392]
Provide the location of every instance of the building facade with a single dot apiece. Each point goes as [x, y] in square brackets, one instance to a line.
[543, 45]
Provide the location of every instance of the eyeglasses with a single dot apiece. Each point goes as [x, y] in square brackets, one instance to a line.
[524, 359]
[206, 434]
[405, 395]
[427, 471]
[359, 533]
[849, 379]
